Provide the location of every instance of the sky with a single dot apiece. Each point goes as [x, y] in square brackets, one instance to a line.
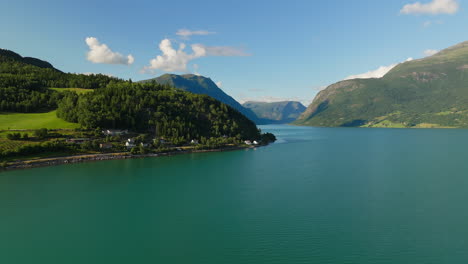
[254, 50]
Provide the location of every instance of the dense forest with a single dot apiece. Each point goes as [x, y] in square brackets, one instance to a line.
[144, 107]
[166, 111]
[24, 83]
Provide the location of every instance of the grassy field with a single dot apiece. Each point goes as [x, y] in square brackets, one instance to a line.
[76, 90]
[33, 121]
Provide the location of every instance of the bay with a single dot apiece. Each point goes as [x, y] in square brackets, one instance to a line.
[318, 195]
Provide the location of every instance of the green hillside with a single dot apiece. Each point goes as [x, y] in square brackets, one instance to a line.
[30, 103]
[429, 92]
[201, 85]
[276, 112]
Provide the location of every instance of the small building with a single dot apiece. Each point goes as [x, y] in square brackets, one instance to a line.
[130, 143]
[248, 142]
[256, 142]
[106, 145]
[145, 145]
[194, 142]
[114, 132]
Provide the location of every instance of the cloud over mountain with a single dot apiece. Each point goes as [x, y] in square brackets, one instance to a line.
[377, 73]
[430, 52]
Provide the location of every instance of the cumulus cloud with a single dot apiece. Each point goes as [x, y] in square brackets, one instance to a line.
[430, 52]
[176, 60]
[101, 53]
[434, 7]
[185, 33]
[377, 73]
[222, 51]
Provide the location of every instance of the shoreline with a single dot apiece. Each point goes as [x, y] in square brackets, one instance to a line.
[54, 161]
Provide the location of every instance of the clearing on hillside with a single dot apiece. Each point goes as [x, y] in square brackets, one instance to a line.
[34, 121]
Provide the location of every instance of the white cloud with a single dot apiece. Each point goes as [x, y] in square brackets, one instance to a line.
[173, 60]
[222, 51]
[430, 52]
[185, 33]
[430, 23]
[377, 73]
[101, 53]
[195, 69]
[434, 7]
[219, 84]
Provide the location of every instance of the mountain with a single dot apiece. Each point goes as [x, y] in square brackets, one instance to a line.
[429, 92]
[8, 55]
[201, 85]
[276, 112]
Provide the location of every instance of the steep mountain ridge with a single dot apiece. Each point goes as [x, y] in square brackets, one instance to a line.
[428, 92]
[203, 85]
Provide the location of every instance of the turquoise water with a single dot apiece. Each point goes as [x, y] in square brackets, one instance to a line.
[319, 195]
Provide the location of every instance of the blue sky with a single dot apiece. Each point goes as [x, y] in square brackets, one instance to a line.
[267, 50]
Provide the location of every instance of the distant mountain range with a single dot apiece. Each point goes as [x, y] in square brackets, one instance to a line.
[276, 112]
[429, 92]
[201, 85]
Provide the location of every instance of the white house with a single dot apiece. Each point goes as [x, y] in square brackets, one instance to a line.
[129, 145]
[114, 132]
[248, 142]
[194, 141]
[256, 142]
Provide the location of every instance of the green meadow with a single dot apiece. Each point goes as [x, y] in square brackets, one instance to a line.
[47, 120]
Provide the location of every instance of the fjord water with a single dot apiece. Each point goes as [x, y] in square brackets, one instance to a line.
[319, 195]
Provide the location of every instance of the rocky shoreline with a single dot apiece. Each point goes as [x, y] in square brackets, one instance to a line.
[45, 162]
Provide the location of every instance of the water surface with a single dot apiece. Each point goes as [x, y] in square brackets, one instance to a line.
[319, 195]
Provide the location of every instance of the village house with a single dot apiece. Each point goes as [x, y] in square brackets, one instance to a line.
[248, 142]
[114, 132]
[256, 142]
[194, 142]
[130, 143]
